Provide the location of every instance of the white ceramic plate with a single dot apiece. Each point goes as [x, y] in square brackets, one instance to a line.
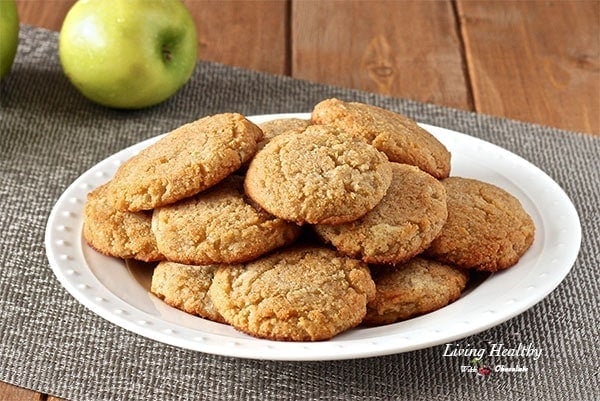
[119, 292]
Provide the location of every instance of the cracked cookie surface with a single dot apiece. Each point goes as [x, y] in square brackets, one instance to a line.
[220, 225]
[399, 137]
[319, 175]
[298, 294]
[186, 161]
[279, 126]
[414, 288]
[487, 228]
[403, 224]
[118, 233]
[185, 287]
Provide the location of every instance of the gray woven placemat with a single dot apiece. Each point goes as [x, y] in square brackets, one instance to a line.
[52, 344]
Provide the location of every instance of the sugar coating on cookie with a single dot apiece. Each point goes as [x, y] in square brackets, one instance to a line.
[220, 225]
[414, 288]
[487, 228]
[399, 137]
[113, 232]
[320, 175]
[402, 225]
[298, 294]
[185, 287]
[186, 161]
[276, 127]
[279, 126]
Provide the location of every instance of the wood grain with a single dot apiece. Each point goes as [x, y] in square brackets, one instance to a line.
[407, 49]
[250, 34]
[47, 14]
[535, 61]
[9, 392]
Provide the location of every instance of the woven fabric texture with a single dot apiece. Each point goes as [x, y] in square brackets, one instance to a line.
[50, 343]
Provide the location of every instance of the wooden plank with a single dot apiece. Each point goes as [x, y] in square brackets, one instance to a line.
[402, 48]
[46, 14]
[8, 392]
[535, 61]
[250, 34]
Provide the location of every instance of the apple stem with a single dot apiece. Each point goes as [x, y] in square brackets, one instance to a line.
[166, 53]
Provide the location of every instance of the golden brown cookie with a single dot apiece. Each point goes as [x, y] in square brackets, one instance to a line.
[297, 294]
[118, 233]
[399, 137]
[487, 228]
[220, 225]
[402, 225]
[416, 287]
[320, 175]
[279, 126]
[186, 161]
[185, 287]
[273, 128]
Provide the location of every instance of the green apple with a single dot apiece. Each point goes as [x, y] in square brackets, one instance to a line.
[128, 54]
[9, 35]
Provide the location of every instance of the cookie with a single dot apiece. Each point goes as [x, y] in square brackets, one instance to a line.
[414, 288]
[220, 225]
[185, 287]
[487, 228]
[297, 294]
[320, 175]
[118, 233]
[279, 126]
[186, 161]
[399, 137]
[273, 128]
[402, 225]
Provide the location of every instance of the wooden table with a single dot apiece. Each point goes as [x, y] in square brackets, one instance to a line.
[535, 61]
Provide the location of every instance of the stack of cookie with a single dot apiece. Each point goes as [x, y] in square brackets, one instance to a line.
[299, 230]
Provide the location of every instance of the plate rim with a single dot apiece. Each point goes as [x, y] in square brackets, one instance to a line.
[267, 349]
